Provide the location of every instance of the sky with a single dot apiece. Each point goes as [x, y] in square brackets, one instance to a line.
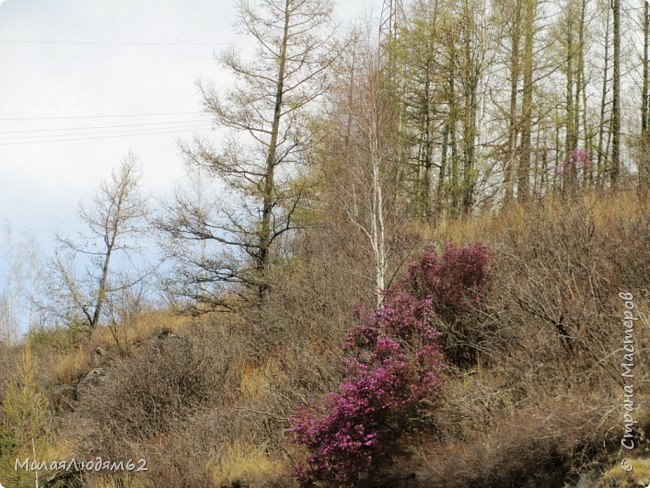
[79, 76]
[83, 82]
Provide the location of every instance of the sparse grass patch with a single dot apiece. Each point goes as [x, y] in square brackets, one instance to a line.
[70, 354]
[243, 464]
[67, 367]
[255, 380]
[617, 477]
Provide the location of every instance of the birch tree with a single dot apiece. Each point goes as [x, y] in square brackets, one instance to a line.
[19, 273]
[368, 177]
[84, 276]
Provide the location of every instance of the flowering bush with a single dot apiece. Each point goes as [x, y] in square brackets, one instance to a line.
[394, 365]
[578, 160]
[449, 279]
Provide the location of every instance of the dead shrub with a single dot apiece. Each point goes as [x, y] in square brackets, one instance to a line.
[153, 394]
[545, 444]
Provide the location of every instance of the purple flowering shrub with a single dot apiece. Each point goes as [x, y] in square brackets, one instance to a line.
[450, 279]
[578, 160]
[394, 365]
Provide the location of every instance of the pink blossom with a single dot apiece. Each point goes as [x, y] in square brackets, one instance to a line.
[394, 362]
[578, 159]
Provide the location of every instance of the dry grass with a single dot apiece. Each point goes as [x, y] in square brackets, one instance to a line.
[69, 364]
[617, 477]
[139, 329]
[607, 209]
[255, 381]
[246, 465]
[544, 395]
[144, 396]
[66, 367]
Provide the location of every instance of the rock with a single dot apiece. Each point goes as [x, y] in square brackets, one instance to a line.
[93, 378]
[165, 333]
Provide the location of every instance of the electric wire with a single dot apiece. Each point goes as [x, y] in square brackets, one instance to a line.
[53, 129]
[98, 116]
[53, 134]
[105, 136]
[124, 43]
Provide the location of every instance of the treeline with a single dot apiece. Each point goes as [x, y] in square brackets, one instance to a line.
[449, 108]
[507, 100]
[456, 106]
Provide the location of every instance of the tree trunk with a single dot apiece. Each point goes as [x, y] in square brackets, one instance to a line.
[602, 152]
[571, 109]
[269, 177]
[513, 124]
[644, 90]
[428, 142]
[644, 158]
[470, 85]
[377, 221]
[441, 190]
[616, 88]
[527, 101]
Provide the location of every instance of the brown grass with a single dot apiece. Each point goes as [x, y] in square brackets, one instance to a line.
[245, 464]
[69, 364]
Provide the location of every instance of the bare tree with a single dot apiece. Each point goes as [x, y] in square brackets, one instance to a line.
[265, 148]
[113, 219]
[366, 169]
[18, 276]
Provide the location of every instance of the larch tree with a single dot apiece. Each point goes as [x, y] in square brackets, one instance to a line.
[602, 147]
[523, 177]
[643, 158]
[418, 51]
[26, 423]
[513, 12]
[265, 117]
[468, 61]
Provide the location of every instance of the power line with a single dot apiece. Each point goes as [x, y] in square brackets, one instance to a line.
[103, 116]
[53, 129]
[98, 133]
[124, 43]
[107, 136]
[37, 137]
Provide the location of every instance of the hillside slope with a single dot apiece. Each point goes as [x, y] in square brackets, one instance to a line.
[533, 392]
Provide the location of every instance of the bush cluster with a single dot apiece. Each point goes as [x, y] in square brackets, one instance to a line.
[394, 364]
[142, 397]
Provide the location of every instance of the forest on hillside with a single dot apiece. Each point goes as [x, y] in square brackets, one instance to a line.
[415, 254]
